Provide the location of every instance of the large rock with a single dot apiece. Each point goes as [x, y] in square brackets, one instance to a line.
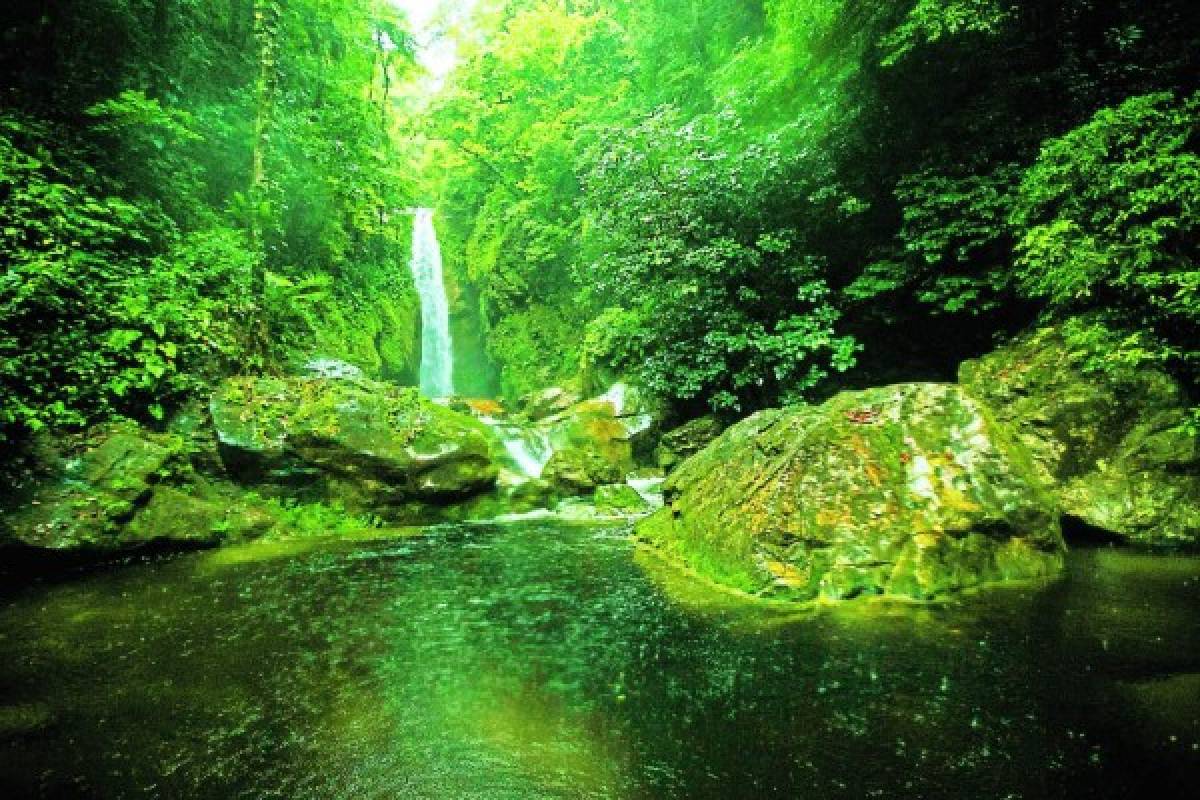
[85, 512]
[686, 440]
[907, 490]
[199, 514]
[1114, 444]
[547, 402]
[598, 441]
[619, 498]
[581, 469]
[375, 445]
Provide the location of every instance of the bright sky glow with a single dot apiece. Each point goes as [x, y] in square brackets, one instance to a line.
[430, 20]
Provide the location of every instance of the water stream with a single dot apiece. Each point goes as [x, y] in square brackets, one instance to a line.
[437, 353]
[538, 660]
[527, 446]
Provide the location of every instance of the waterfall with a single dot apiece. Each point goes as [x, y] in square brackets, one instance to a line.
[528, 447]
[437, 355]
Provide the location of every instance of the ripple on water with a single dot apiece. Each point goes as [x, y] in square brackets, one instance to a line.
[541, 660]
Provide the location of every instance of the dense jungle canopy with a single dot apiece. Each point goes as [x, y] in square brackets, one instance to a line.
[735, 203]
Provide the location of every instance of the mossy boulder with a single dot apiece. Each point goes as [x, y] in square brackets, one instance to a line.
[86, 509]
[1113, 442]
[199, 514]
[578, 469]
[529, 496]
[685, 441]
[547, 402]
[909, 490]
[598, 441]
[372, 445]
[619, 498]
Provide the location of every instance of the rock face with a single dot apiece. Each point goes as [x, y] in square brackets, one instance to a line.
[591, 447]
[547, 402]
[581, 469]
[200, 514]
[1114, 447]
[909, 490]
[620, 498]
[685, 441]
[90, 510]
[375, 445]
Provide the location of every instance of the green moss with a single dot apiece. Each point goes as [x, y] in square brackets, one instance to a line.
[382, 337]
[901, 489]
[721, 564]
[374, 447]
[619, 497]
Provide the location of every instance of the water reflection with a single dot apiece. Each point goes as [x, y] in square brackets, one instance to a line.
[538, 660]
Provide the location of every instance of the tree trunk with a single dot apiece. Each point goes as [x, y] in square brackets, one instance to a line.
[267, 16]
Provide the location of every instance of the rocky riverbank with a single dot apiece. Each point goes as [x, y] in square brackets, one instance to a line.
[281, 455]
[918, 490]
[915, 490]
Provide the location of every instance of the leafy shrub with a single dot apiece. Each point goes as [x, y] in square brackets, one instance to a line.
[933, 21]
[1110, 220]
[723, 306]
[104, 308]
[955, 244]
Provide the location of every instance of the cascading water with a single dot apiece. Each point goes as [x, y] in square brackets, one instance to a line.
[437, 354]
[528, 446]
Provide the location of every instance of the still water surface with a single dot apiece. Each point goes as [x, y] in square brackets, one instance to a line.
[545, 660]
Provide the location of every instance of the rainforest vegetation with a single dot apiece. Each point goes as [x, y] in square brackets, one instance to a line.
[599, 399]
[735, 203]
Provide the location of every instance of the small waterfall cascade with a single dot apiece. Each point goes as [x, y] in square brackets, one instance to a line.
[437, 353]
[528, 446]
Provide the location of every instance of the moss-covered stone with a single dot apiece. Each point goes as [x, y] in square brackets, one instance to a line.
[85, 511]
[620, 498]
[909, 490]
[686, 440]
[200, 515]
[579, 469]
[373, 445]
[1112, 443]
[547, 402]
[529, 496]
[595, 441]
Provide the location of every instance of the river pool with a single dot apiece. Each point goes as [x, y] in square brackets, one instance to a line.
[548, 660]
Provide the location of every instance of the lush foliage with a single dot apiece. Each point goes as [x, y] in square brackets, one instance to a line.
[151, 240]
[734, 202]
[737, 204]
[1110, 220]
[722, 302]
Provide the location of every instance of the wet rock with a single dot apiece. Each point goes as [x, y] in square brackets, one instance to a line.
[84, 510]
[547, 402]
[619, 498]
[685, 441]
[374, 444]
[600, 440]
[580, 470]
[907, 490]
[1113, 444]
[199, 515]
[530, 495]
